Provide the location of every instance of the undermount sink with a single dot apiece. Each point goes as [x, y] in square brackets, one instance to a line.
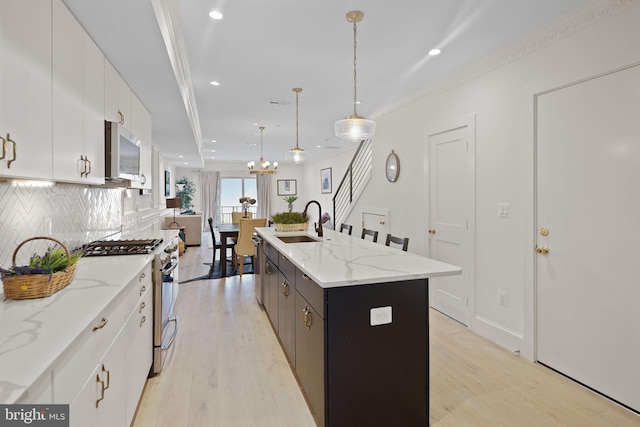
[297, 239]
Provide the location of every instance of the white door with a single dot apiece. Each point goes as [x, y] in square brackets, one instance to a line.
[588, 206]
[451, 205]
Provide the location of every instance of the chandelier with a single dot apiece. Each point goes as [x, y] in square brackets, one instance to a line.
[355, 127]
[296, 154]
[263, 164]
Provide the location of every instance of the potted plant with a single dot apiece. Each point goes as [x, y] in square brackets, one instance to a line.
[290, 201]
[290, 221]
[186, 190]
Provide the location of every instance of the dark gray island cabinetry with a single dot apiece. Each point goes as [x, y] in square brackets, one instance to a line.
[360, 327]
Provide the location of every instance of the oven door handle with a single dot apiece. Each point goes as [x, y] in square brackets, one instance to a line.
[169, 270]
[166, 346]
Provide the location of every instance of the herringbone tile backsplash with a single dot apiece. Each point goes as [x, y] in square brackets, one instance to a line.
[72, 214]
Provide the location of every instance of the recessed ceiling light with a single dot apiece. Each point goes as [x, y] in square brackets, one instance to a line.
[434, 52]
[214, 14]
[215, 83]
[213, 140]
[318, 146]
[358, 102]
[180, 157]
[213, 151]
[186, 163]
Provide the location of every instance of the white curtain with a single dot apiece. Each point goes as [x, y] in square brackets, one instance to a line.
[264, 196]
[210, 194]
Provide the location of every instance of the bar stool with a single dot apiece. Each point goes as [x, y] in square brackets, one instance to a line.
[404, 241]
[347, 227]
[372, 233]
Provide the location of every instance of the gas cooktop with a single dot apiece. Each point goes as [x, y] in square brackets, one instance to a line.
[120, 247]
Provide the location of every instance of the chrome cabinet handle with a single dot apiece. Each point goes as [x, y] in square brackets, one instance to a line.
[121, 117]
[142, 276]
[267, 268]
[88, 169]
[142, 289]
[14, 151]
[100, 325]
[144, 319]
[142, 306]
[305, 277]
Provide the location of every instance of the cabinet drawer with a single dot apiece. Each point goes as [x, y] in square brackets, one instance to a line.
[271, 253]
[311, 291]
[287, 268]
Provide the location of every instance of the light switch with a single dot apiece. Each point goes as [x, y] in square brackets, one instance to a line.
[380, 316]
[504, 210]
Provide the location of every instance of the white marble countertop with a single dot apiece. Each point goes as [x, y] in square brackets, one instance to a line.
[35, 333]
[342, 260]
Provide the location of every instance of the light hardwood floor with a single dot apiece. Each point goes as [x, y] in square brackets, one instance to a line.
[227, 369]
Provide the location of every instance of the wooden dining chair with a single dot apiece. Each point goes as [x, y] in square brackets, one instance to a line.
[217, 245]
[347, 227]
[404, 241]
[245, 247]
[372, 233]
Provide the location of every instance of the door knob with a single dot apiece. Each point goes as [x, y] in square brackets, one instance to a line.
[542, 250]
[381, 222]
[432, 230]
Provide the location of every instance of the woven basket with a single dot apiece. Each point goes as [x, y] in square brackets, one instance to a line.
[292, 227]
[29, 286]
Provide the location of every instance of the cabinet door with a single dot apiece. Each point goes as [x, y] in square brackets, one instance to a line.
[268, 268]
[139, 351]
[117, 97]
[67, 95]
[286, 317]
[93, 147]
[310, 355]
[25, 88]
[101, 400]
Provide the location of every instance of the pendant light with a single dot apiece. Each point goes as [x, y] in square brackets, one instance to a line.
[355, 127]
[264, 164]
[297, 154]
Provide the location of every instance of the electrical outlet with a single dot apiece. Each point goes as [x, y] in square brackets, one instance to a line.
[502, 298]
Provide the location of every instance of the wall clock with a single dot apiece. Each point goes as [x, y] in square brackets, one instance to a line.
[392, 168]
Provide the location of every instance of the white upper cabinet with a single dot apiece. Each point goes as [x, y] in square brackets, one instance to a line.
[94, 110]
[117, 97]
[78, 101]
[141, 127]
[25, 89]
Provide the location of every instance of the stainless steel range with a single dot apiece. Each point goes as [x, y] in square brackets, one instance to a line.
[165, 285]
[121, 247]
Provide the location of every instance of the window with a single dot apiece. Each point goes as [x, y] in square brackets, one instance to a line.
[231, 191]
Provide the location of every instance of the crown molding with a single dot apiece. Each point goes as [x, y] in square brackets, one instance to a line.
[581, 18]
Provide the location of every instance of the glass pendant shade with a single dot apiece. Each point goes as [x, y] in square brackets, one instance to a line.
[355, 128]
[295, 155]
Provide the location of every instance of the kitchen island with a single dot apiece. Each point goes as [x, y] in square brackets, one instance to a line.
[352, 318]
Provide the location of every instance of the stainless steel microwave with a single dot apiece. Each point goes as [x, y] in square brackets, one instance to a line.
[122, 155]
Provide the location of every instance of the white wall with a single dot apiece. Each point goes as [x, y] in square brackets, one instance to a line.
[499, 90]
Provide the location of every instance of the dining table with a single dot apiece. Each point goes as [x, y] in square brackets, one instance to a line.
[226, 231]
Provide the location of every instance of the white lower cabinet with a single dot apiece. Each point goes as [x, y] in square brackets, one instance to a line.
[104, 373]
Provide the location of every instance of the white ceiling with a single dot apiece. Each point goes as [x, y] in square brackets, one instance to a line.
[262, 49]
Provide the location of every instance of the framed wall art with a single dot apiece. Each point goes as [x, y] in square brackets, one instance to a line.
[287, 187]
[325, 180]
[167, 183]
